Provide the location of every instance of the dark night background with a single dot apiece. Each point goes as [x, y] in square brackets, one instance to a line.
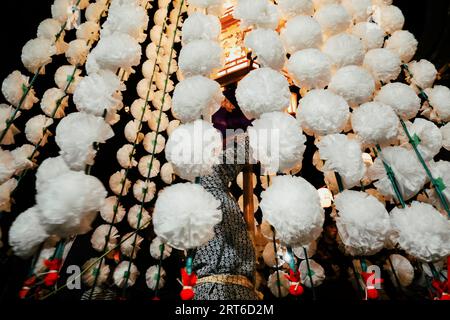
[429, 22]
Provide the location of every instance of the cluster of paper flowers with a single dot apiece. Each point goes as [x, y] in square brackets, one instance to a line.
[67, 202]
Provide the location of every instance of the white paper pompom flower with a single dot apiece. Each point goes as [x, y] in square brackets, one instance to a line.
[262, 90]
[292, 206]
[200, 57]
[310, 68]
[195, 97]
[375, 123]
[193, 149]
[301, 32]
[322, 112]
[401, 98]
[267, 47]
[344, 156]
[277, 142]
[363, 223]
[188, 222]
[354, 84]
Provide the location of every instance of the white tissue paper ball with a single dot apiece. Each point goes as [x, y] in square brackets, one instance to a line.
[439, 99]
[301, 32]
[292, 206]
[49, 169]
[445, 131]
[267, 47]
[430, 137]
[343, 155]
[12, 89]
[401, 97]
[37, 53]
[69, 203]
[292, 8]
[317, 273]
[155, 249]
[188, 222]
[400, 270]
[200, 57]
[390, 18]
[278, 287]
[277, 141]
[363, 223]
[359, 10]
[371, 35]
[199, 26]
[333, 19]
[34, 129]
[195, 97]
[408, 171]
[355, 84]
[114, 51]
[310, 68]
[423, 73]
[95, 272]
[130, 245]
[322, 112]
[97, 92]
[98, 238]
[75, 135]
[152, 275]
[125, 275]
[193, 149]
[384, 64]
[108, 211]
[54, 102]
[403, 43]
[263, 90]
[344, 49]
[77, 52]
[64, 79]
[375, 123]
[129, 18]
[422, 231]
[257, 13]
[27, 233]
